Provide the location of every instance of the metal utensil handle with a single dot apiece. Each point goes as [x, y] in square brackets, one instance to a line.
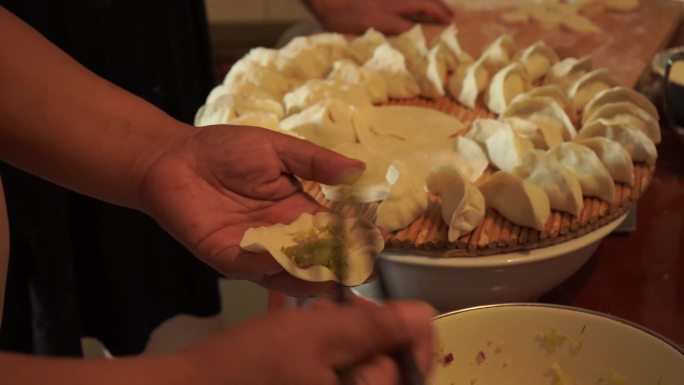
[666, 87]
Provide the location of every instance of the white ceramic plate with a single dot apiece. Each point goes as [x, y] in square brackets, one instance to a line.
[456, 283]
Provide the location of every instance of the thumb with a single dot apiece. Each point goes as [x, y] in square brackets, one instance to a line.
[311, 162]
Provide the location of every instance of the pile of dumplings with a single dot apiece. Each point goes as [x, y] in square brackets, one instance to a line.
[563, 130]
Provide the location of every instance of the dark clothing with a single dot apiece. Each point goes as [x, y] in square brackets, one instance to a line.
[80, 267]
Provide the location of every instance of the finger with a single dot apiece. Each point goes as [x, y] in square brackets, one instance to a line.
[355, 332]
[322, 304]
[311, 162]
[433, 10]
[391, 24]
[379, 370]
[288, 284]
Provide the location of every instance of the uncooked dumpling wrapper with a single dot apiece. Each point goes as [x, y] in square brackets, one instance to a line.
[391, 65]
[264, 78]
[469, 82]
[616, 159]
[639, 146]
[228, 107]
[594, 177]
[617, 95]
[559, 183]
[361, 244]
[450, 48]
[508, 83]
[544, 111]
[349, 72]
[503, 145]
[554, 92]
[588, 85]
[411, 44]
[247, 90]
[317, 90]
[411, 123]
[566, 71]
[498, 53]
[538, 59]
[363, 46]
[627, 113]
[371, 186]
[517, 200]
[301, 59]
[406, 201]
[327, 124]
[543, 137]
[463, 205]
[430, 71]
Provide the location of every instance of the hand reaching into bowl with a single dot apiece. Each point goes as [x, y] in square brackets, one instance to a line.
[387, 16]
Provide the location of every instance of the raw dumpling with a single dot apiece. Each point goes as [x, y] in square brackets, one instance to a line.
[463, 205]
[469, 82]
[321, 247]
[411, 123]
[411, 44]
[503, 146]
[264, 56]
[333, 46]
[614, 157]
[450, 49]
[639, 146]
[430, 72]
[327, 124]
[587, 167]
[228, 107]
[538, 60]
[588, 85]
[543, 137]
[423, 157]
[406, 201]
[559, 183]
[266, 79]
[617, 95]
[517, 200]
[629, 114]
[372, 185]
[300, 60]
[391, 65]
[554, 92]
[499, 53]
[349, 72]
[317, 90]
[363, 46]
[566, 71]
[543, 111]
[508, 83]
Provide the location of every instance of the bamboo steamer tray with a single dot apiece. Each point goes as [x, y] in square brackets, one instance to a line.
[427, 235]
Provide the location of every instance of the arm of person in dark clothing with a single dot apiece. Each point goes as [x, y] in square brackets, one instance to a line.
[387, 16]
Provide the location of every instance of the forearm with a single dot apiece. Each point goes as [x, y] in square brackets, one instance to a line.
[63, 123]
[18, 369]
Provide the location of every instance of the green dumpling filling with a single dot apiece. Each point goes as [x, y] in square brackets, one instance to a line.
[323, 247]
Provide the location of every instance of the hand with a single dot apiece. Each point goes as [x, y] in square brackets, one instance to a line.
[316, 346]
[387, 16]
[224, 180]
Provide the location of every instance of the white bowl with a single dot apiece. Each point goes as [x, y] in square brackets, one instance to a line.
[456, 283]
[599, 349]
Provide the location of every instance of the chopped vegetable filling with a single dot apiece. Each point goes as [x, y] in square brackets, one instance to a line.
[323, 247]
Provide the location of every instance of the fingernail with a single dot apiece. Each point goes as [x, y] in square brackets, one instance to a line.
[350, 176]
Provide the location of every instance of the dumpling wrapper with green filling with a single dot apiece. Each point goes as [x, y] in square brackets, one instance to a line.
[348, 245]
